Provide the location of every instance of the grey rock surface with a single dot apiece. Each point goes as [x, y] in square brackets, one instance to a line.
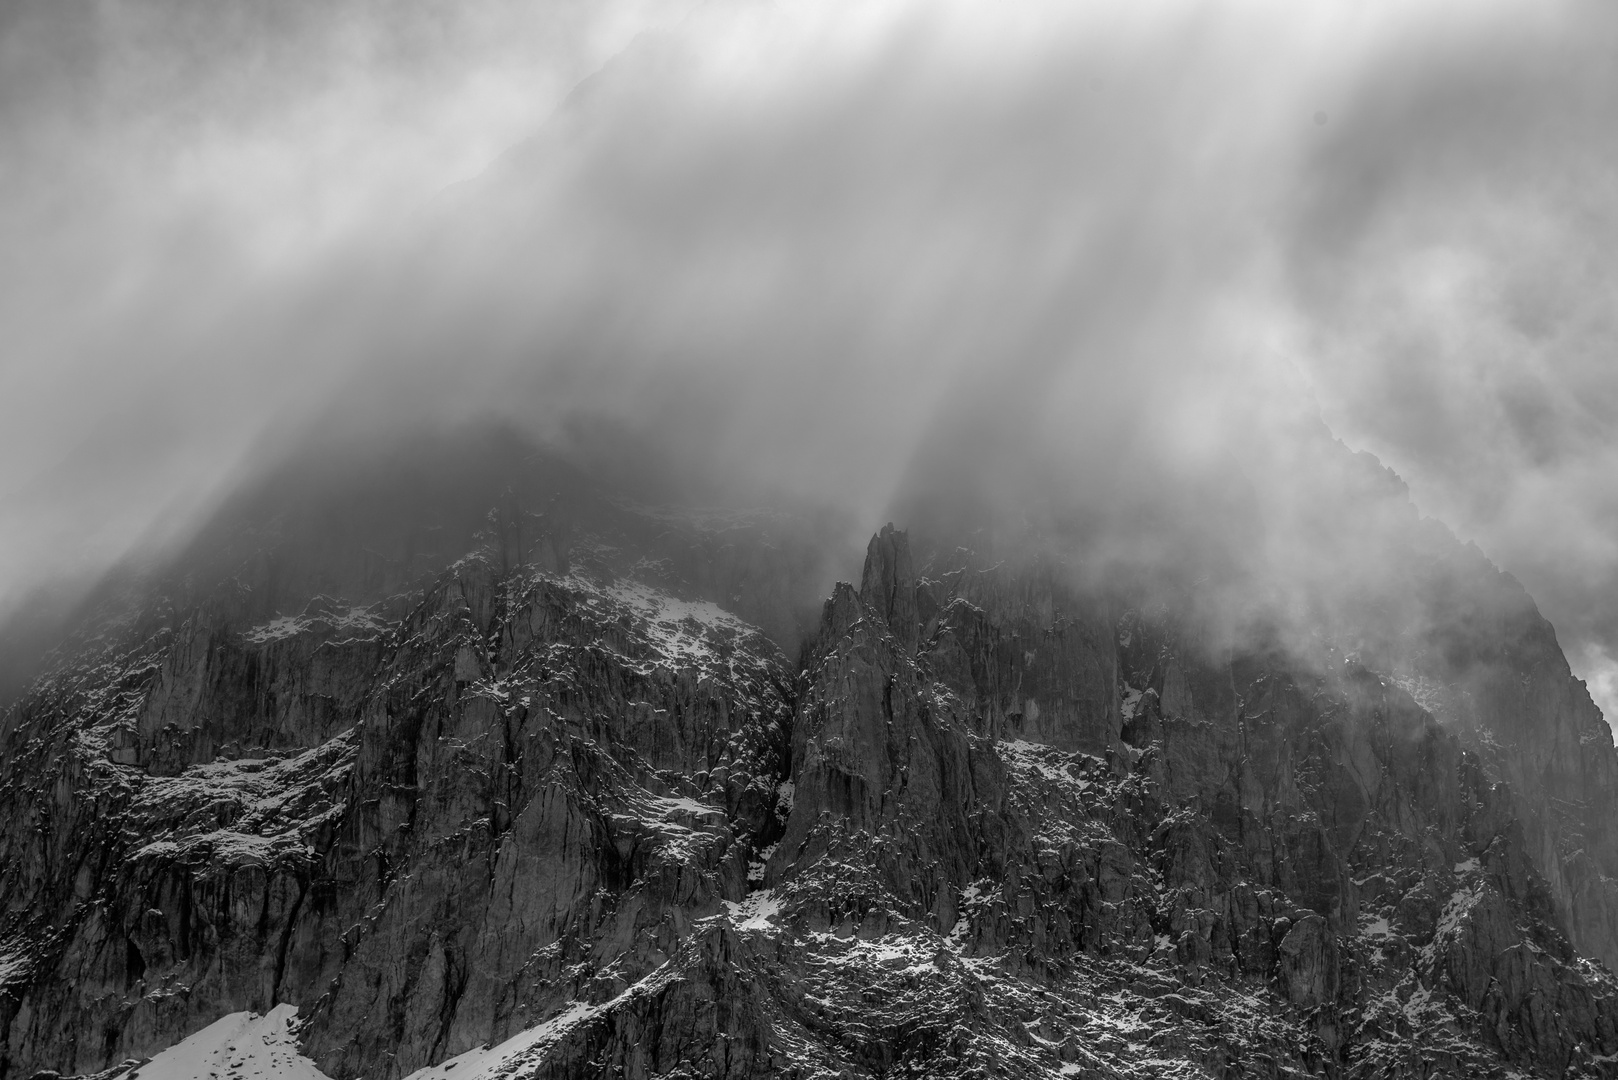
[436, 783]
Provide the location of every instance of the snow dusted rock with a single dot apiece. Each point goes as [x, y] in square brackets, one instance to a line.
[1153, 897]
[427, 818]
[543, 801]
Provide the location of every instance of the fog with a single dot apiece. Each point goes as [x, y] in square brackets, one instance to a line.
[1096, 256]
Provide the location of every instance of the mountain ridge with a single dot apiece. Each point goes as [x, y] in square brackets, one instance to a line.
[994, 821]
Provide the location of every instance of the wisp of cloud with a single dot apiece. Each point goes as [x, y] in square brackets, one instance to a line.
[845, 253]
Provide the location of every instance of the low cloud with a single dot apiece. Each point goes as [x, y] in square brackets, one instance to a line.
[844, 253]
[1452, 264]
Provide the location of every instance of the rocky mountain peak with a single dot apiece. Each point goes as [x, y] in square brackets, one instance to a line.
[527, 792]
[888, 585]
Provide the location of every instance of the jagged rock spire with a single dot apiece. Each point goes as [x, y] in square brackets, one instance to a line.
[888, 585]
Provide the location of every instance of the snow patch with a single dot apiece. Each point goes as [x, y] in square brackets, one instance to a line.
[756, 868]
[664, 631]
[13, 967]
[272, 806]
[1047, 761]
[357, 621]
[1461, 901]
[677, 628]
[242, 1046]
[755, 912]
[667, 806]
[527, 1049]
[489, 1062]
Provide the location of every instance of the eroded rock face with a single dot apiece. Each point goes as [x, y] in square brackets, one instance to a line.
[1313, 841]
[426, 817]
[991, 823]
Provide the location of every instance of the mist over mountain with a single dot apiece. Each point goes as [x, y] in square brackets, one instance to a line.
[786, 246]
[740, 539]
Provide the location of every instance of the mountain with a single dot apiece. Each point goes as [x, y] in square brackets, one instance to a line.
[458, 761]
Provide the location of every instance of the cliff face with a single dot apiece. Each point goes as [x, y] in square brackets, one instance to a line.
[1490, 670]
[540, 788]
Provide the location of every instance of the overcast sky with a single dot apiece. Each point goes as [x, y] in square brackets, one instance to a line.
[790, 243]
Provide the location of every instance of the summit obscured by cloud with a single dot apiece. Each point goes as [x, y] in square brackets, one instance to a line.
[825, 251]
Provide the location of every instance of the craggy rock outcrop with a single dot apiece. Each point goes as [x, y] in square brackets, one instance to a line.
[540, 778]
[550, 794]
[1312, 845]
[426, 810]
